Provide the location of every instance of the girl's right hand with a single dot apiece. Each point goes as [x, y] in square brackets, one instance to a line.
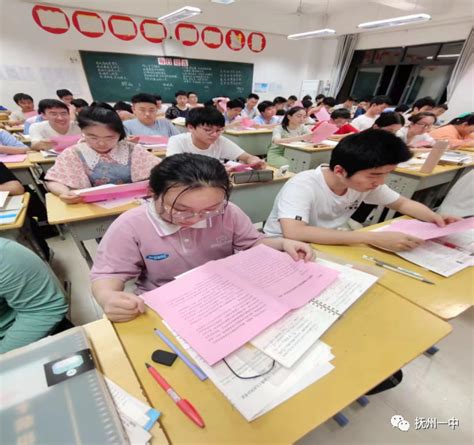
[70, 197]
[122, 306]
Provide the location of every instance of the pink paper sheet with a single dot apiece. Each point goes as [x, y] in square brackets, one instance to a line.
[134, 190]
[222, 305]
[153, 140]
[426, 231]
[63, 142]
[7, 159]
[323, 132]
[30, 114]
[322, 115]
[247, 123]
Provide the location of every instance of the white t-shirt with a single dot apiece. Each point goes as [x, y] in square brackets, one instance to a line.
[43, 130]
[363, 122]
[221, 149]
[307, 197]
[424, 137]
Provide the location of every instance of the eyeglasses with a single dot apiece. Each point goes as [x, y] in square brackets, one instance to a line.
[54, 115]
[211, 131]
[421, 124]
[249, 377]
[91, 138]
[185, 215]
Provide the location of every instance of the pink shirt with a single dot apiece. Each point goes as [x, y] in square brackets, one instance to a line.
[139, 244]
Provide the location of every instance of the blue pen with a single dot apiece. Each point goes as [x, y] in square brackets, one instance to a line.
[198, 372]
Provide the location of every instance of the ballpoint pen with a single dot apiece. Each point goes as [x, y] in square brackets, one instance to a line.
[182, 404]
[194, 368]
[397, 269]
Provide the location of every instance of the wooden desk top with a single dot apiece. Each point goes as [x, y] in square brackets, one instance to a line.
[378, 335]
[236, 132]
[308, 147]
[14, 128]
[18, 224]
[447, 298]
[19, 165]
[62, 213]
[36, 157]
[439, 169]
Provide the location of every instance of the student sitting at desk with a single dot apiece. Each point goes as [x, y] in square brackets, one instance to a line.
[415, 134]
[205, 126]
[27, 106]
[340, 118]
[145, 122]
[459, 132]
[423, 105]
[188, 223]
[291, 129]
[78, 104]
[31, 303]
[10, 145]
[57, 123]
[291, 102]
[313, 204]
[266, 118]
[376, 106]
[160, 106]
[104, 157]
[390, 121]
[347, 104]
[180, 109]
[438, 111]
[250, 109]
[232, 113]
[280, 104]
[193, 100]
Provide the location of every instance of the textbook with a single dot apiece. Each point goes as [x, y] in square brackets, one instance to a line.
[10, 209]
[7, 159]
[153, 140]
[111, 191]
[64, 141]
[220, 306]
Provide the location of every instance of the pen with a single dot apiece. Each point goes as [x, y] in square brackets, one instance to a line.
[182, 404]
[194, 368]
[411, 272]
[398, 270]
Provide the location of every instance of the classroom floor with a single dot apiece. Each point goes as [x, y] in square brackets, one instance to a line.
[439, 387]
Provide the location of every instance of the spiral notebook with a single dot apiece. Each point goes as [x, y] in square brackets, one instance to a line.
[52, 392]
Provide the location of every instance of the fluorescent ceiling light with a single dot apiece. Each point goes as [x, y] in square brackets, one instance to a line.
[396, 21]
[444, 56]
[223, 2]
[308, 35]
[180, 14]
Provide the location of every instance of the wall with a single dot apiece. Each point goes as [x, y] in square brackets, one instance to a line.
[37, 62]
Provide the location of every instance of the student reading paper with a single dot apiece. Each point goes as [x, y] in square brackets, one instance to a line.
[104, 157]
[459, 132]
[376, 106]
[314, 203]
[206, 125]
[415, 134]
[188, 223]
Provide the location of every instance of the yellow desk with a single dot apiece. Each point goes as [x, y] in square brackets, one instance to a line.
[18, 224]
[305, 156]
[379, 334]
[14, 128]
[255, 142]
[447, 298]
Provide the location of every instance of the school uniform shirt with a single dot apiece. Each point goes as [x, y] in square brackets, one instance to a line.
[424, 138]
[43, 130]
[228, 120]
[31, 303]
[251, 114]
[140, 245]
[345, 129]
[363, 122]
[261, 121]
[161, 127]
[30, 121]
[221, 149]
[308, 198]
[80, 166]
[9, 140]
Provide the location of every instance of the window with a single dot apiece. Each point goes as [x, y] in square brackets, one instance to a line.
[419, 54]
[450, 51]
[387, 56]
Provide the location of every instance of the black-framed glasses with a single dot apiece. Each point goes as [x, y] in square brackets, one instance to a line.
[250, 377]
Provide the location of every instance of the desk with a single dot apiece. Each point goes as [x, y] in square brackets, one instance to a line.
[14, 128]
[255, 142]
[18, 224]
[180, 124]
[448, 298]
[378, 335]
[305, 156]
[85, 221]
[37, 158]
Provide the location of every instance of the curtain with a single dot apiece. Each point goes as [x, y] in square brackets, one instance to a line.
[345, 50]
[462, 64]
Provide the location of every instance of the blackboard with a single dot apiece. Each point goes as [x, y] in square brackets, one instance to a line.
[114, 76]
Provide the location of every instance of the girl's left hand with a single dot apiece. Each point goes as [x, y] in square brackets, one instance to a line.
[298, 250]
[443, 220]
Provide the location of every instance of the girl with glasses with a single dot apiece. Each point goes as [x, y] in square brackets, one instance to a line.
[187, 223]
[415, 134]
[103, 156]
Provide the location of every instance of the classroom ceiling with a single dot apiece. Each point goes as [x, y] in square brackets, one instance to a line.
[286, 16]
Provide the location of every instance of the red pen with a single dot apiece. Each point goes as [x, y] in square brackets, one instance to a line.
[183, 404]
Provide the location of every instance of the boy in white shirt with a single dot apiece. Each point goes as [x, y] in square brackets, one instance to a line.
[376, 106]
[315, 203]
[267, 118]
[250, 109]
[205, 126]
[26, 104]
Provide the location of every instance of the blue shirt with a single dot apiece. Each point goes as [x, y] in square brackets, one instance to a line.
[261, 121]
[28, 123]
[10, 141]
[161, 127]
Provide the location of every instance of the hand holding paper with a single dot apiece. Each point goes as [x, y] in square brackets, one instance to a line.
[428, 231]
[64, 141]
[323, 132]
[111, 191]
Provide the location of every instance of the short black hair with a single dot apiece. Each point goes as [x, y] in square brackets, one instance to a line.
[180, 93]
[307, 97]
[329, 101]
[307, 103]
[191, 171]
[280, 112]
[46, 104]
[466, 118]
[350, 98]
[279, 100]
[97, 115]
[144, 97]
[123, 106]
[424, 102]
[262, 106]
[102, 105]
[79, 103]
[253, 96]
[157, 97]
[379, 100]
[319, 96]
[21, 96]
[292, 97]
[414, 118]
[369, 149]
[443, 106]
[191, 92]
[63, 93]
[205, 116]
[235, 103]
[402, 108]
[389, 118]
[341, 113]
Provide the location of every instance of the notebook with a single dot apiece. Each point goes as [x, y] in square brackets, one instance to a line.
[11, 209]
[52, 388]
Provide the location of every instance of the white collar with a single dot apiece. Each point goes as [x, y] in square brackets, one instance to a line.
[119, 154]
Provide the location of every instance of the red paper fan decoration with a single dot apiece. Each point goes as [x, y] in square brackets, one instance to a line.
[256, 41]
[122, 27]
[88, 23]
[212, 37]
[235, 39]
[153, 30]
[187, 34]
[51, 19]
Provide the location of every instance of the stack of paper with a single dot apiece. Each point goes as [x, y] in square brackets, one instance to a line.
[108, 192]
[49, 153]
[10, 209]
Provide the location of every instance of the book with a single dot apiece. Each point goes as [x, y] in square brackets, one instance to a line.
[108, 192]
[7, 159]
